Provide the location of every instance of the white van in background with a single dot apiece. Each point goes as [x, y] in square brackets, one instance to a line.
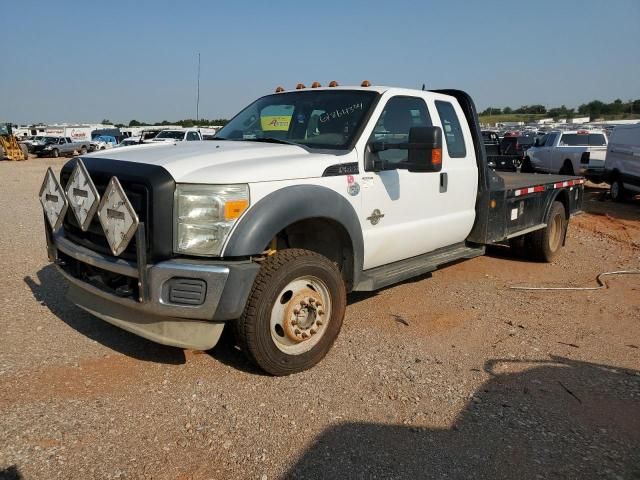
[622, 163]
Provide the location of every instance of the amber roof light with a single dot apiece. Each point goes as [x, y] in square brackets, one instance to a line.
[333, 83]
[300, 86]
[365, 83]
[279, 89]
[315, 85]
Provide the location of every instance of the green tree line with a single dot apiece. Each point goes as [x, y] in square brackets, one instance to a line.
[187, 123]
[594, 109]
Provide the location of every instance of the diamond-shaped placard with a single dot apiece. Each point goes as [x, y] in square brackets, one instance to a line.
[82, 195]
[53, 200]
[117, 216]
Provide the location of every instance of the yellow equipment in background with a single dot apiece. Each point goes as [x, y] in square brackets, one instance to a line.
[9, 146]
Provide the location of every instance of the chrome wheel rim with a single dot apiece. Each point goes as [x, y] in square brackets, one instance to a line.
[300, 315]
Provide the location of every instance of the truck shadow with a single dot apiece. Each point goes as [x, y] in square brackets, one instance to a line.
[49, 289]
[559, 418]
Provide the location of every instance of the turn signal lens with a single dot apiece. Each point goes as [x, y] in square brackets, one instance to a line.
[436, 156]
[234, 208]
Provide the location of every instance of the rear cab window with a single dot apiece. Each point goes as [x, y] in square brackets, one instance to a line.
[451, 129]
[583, 140]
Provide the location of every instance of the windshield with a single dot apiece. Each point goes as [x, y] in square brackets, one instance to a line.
[582, 140]
[317, 119]
[49, 139]
[175, 134]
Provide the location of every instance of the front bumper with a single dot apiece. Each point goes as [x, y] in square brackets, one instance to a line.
[155, 315]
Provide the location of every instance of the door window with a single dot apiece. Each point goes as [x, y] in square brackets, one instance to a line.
[452, 129]
[399, 115]
[191, 136]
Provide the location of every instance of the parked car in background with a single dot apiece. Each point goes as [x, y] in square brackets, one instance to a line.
[569, 152]
[491, 142]
[622, 162]
[515, 144]
[56, 146]
[103, 142]
[127, 142]
[188, 135]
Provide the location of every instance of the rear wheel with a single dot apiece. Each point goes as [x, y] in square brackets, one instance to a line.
[567, 168]
[618, 192]
[543, 245]
[25, 151]
[294, 312]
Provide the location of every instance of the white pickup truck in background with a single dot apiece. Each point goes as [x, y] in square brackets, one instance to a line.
[575, 152]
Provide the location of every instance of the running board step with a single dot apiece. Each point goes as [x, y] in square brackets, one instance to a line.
[386, 275]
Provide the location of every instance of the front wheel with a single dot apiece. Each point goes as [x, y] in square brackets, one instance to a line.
[294, 312]
[55, 153]
[526, 166]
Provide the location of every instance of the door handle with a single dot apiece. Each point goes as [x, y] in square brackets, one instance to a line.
[444, 182]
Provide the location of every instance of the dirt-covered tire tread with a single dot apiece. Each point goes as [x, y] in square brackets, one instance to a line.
[538, 241]
[247, 325]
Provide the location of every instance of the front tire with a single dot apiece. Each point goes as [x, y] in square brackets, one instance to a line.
[55, 153]
[526, 166]
[294, 312]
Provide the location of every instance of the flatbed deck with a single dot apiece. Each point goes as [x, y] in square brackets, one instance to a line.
[519, 181]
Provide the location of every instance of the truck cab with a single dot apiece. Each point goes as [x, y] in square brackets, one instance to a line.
[302, 197]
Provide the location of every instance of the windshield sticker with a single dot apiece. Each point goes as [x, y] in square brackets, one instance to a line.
[270, 123]
[340, 112]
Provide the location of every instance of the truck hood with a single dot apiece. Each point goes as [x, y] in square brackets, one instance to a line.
[227, 161]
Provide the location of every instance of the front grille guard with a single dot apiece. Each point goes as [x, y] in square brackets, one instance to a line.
[141, 257]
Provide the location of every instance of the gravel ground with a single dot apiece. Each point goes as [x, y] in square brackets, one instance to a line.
[448, 376]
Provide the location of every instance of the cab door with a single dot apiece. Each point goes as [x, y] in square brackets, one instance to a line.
[405, 214]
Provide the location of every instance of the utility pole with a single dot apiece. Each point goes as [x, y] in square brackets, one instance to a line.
[198, 93]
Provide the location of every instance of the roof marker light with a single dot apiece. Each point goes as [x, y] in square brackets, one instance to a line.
[300, 86]
[333, 83]
[365, 83]
[279, 89]
[315, 85]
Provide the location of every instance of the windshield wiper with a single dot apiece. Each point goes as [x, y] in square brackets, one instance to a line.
[271, 140]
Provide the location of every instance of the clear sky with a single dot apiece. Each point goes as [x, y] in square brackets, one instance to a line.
[82, 61]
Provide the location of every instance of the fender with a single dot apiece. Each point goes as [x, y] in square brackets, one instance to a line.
[287, 206]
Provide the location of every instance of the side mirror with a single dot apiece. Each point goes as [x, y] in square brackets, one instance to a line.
[425, 149]
[536, 142]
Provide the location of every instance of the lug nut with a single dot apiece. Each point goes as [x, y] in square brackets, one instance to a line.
[305, 334]
[312, 300]
[294, 321]
[318, 304]
[313, 331]
[320, 311]
[303, 303]
[296, 331]
[296, 311]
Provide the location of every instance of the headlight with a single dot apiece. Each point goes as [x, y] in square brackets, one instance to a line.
[48, 147]
[205, 215]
